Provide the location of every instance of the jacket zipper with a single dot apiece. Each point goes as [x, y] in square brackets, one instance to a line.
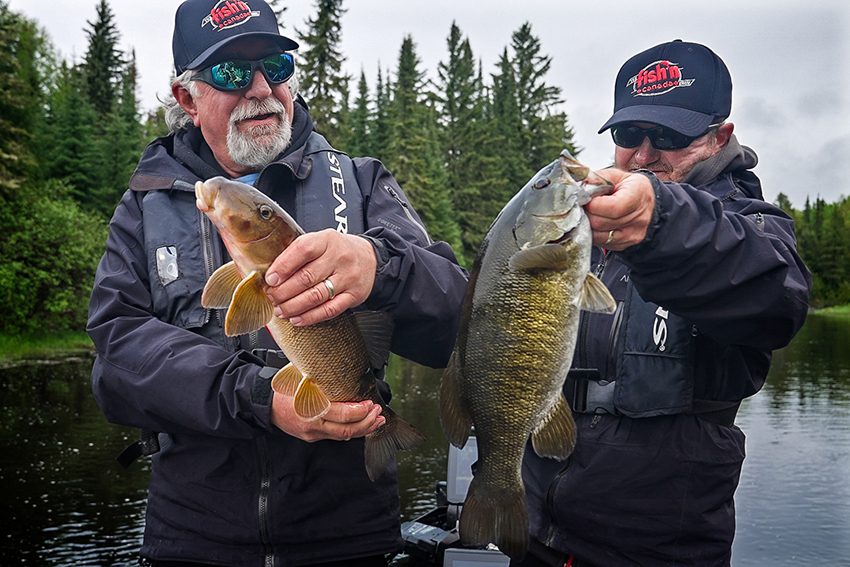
[407, 212]
[550, 503]
[263, 503]
[209, 262]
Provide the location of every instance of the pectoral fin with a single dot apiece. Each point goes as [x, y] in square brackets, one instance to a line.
[545, 257]
[220, 287]
[310, 401]
[595, 296]
[555, 437]
[286, 381]
[250, 308]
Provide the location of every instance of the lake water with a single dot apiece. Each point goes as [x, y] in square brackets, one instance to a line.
[64, 501]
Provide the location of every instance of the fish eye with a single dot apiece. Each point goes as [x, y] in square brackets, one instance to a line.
[266, 212]
[542, 183]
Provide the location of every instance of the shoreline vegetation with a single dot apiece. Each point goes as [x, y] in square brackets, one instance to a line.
[840, 311]
[44, 348]
[48, 348]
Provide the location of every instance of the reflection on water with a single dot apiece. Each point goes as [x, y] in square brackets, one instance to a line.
[794, 499]
[65, 501]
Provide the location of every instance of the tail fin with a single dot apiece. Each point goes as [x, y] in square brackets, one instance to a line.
[495, 514]
[382, 445]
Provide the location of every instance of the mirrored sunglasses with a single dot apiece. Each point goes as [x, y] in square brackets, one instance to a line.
[661, 137]
[237, 74]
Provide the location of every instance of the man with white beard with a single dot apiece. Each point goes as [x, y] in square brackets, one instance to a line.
[237, 477]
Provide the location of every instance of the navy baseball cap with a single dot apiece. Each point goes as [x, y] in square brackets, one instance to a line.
[683, 86]
[202, 27]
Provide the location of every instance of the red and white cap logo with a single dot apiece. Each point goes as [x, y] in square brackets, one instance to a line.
[229, 14]
[658, 78]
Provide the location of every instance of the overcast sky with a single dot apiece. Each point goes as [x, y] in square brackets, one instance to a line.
[789, 60]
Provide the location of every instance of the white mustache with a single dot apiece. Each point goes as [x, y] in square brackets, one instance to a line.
[253, 108]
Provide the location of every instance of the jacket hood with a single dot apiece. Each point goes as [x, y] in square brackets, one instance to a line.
[183, 157]
[732, 157]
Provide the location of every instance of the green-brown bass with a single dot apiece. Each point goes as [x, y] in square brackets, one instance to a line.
[330, 361]
[515, 345]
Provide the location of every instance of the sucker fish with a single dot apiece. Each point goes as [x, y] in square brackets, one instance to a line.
[528, 284]
[333, 360]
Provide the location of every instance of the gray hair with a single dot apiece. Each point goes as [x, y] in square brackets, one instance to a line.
[177, 119]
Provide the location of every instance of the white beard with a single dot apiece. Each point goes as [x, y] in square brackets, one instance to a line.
[261, 144]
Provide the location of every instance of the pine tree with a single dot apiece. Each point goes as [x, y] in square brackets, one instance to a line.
[361, 117]
[506, 129]
[69, 141]
[784, 203]
[120, 143]
[154, 125]
[323, 84]
[524, 108]
[381, 133]
[834, 257]
[16, 159]
[463, 135]
[103, 62]
[49, 248]
[407, 116]
[414, 154]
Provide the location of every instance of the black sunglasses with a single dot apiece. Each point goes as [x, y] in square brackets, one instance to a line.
[237, 74]
[661, 137]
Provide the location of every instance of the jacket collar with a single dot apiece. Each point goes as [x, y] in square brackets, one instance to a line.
[732, 157]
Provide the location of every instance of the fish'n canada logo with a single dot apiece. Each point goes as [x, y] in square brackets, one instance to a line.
[658, 78]
[229, 14]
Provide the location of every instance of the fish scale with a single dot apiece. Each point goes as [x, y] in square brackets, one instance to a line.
[330, 361]
[515, 344]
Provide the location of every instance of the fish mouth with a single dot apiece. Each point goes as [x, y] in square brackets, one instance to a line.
[554, 216]
[252, 241]
[564, 237]
[205, 197]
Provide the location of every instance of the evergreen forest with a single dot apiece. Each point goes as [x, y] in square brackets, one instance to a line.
[460, 145]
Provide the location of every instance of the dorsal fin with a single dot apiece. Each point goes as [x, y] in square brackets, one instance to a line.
[376, 327]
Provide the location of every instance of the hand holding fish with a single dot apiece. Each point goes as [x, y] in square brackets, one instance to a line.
[297, 278]
[342, 422]
[621, 219]
[333, 353]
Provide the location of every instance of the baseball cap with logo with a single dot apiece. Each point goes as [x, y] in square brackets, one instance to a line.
[683, 86]
[202, 27]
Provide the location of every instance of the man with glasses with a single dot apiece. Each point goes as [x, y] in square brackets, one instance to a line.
[237, 478]
[708, 282]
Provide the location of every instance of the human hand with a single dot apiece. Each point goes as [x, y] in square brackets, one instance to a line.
[621, 219]
[342, 422]
[296, 279]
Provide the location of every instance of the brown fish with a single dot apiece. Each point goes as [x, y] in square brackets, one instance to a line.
[330, 361]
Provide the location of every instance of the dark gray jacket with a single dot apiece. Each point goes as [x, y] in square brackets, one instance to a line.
[228, 488]
[702, 302]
